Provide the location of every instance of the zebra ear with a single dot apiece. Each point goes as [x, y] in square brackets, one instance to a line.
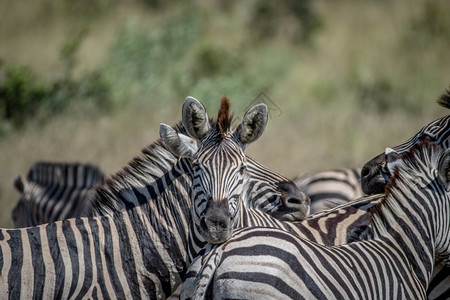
[18, 184]
[444, 169]
[253, 124]
[179, 144]
[194, 118]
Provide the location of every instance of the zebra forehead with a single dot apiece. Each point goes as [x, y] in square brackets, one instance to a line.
[226, 148]
[224, 117]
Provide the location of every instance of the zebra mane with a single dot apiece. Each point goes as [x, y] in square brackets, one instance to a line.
[67, 174]
[415, 164]
[152, 163]
[224, 118]
[444, 99]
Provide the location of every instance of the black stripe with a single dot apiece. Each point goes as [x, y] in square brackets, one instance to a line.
[95, 238]
[55, 252]
[2, 237]
[88, 276]
[37, 261]
[14, 274]
[73, 255]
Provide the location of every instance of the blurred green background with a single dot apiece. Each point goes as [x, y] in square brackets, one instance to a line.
[90, 81]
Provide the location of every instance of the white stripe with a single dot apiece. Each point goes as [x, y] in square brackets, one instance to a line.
[65, 256]
[7, 258]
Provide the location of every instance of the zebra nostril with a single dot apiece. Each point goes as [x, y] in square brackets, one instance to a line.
[365, 172]
[294, 201]
[222, 224]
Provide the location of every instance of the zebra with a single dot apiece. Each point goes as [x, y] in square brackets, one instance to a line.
[53, 192]
[137, 241]
[410, 230]
[375, 176]
[328, 189]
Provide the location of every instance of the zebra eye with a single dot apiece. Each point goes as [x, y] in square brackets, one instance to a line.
[242, 169]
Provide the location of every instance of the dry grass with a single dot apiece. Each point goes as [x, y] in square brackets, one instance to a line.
[323, 124]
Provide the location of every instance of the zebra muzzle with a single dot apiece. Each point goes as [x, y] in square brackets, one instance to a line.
[216, 225]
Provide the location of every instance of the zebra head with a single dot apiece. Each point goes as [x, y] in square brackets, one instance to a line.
[375, 174]
[220, 167]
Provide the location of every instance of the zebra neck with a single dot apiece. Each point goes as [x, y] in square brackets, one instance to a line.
[114, 195]
[404, 220]
[153, 163]
[160, 231]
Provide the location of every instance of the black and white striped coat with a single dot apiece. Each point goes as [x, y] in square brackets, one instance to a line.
[54, 192]
[328, 189]
[411, 229]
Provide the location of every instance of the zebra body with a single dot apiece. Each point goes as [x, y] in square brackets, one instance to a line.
[410, 229]
[328, 189]
[53, 192]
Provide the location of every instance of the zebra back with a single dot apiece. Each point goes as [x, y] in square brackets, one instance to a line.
[54, 191]
[77, 175]
[328, 189]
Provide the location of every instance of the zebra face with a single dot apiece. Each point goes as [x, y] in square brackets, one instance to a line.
[375, 174]
[219, 178]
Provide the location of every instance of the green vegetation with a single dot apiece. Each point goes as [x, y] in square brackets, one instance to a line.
[92, 80]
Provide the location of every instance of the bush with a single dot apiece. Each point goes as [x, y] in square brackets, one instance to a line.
[21, 95]
[434, 19]
[270, 17]
[141, 59]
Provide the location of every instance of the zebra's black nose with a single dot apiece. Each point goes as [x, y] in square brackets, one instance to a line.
[372, 181]
[219, 223]
[365, 172]
[216, 223]
[217, 214]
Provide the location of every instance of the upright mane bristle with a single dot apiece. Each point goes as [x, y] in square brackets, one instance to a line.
[444, 99]
[224, 117]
